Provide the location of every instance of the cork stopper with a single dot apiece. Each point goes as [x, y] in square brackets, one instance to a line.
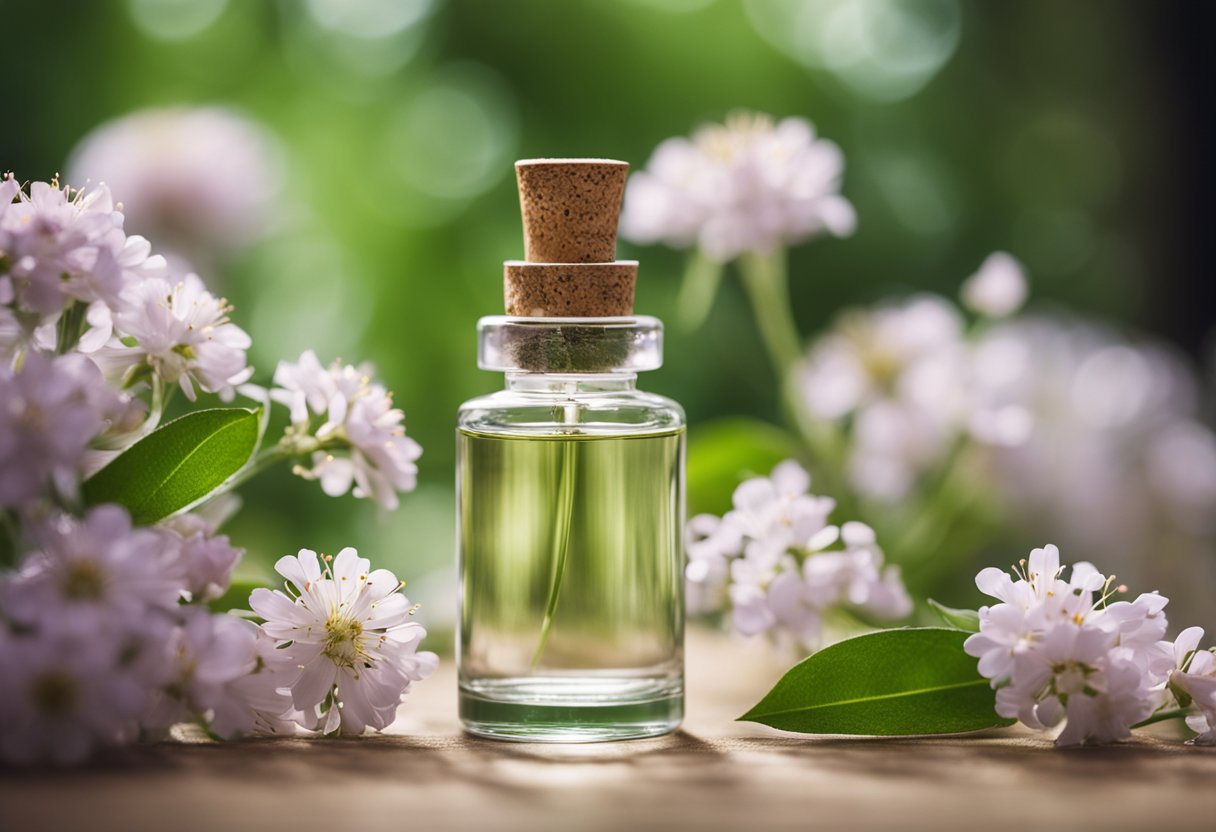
[570, 209]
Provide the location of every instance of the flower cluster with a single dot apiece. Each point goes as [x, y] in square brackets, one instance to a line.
[97, 648]
[95, 334]
[1119, 461]
[1060, 651]
[748, 185]
[781, 565]
[340, 409]
[346, 632]
[1193, 683]
[1084, 434]
[105, 632]
[905, 378]
[199, 180]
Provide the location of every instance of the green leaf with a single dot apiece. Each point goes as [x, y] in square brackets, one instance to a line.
[968, 620]
[177, 465]
[889, 683]
[724, 452]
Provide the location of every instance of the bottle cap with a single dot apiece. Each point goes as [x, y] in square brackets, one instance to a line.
[570, 209]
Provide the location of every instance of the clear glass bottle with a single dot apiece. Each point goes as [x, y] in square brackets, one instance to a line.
[570, 492]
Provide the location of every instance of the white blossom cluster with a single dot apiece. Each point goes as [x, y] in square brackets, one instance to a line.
[347, 647]
[906, 380]
[93, 330]
[1118, 460]
[104, 633]
[748, 185]
[1059, 651]
[72, 282]
[1088, 435]
[340, 408]
[779, 565]
[98, 648]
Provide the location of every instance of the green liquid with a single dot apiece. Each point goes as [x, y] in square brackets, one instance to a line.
[571, 572]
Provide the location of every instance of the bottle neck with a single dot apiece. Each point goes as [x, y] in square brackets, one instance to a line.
[565, 384]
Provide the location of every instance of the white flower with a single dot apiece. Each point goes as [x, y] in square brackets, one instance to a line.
[9, 188]
[208, 652]
[751, 612]
[58, 247]
[899, 376]
[1118, 459]
[866, 356]
[857, 574]
[258, 702]
[1055, 650]
[708, 567]
[64, 695]
[356, 415]
[349, 634]
[773, 513]
[196, 179]
[92, 573]
[205, 559]
[1194, 675]
[746, 186]
[50, 410]
[795, 599]
[1073, 674]
[772, 557]
[998, 289]
[183, 333]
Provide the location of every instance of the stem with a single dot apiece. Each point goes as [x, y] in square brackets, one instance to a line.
[71, 322]
[1162, 716]
[568, 469]
[8, 541]
[701, 280]
[948, 495]
[766, 281]
[254, 467]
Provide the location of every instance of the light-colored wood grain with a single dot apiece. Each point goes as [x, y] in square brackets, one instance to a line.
[715, 774]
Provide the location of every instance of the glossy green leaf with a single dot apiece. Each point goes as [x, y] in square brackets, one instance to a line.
[968, 620]
[723, 453]
[177, 465]
[888, 683]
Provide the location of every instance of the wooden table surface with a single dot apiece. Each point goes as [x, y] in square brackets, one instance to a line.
[714, 774]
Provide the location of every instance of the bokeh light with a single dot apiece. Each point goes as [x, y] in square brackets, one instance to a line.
[174, 20]
[885, 50]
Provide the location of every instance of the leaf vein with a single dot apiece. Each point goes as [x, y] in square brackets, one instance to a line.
[874, 698]
[160, 486]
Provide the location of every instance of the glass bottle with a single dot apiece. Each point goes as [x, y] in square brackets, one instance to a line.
[570, 493]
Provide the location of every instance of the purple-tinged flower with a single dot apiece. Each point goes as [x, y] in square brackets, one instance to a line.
[183, 333]
[50, 410]
[59, 247]
[90, 573]
[64, 695]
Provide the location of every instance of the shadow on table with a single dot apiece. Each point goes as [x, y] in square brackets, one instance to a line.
[1145, 760]
[519, 770]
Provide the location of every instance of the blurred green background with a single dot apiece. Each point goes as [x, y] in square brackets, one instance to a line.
[1070, 134]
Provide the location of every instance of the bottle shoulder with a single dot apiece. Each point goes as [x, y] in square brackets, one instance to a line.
[616, 412]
